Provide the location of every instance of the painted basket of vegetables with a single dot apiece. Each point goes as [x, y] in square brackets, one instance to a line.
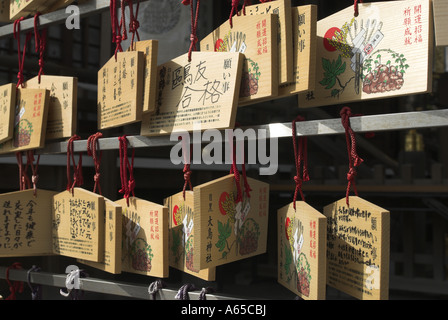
[250, 232]
[22, 134]
[249, 81]
[141, 255]
[190, 254]
[303, 275]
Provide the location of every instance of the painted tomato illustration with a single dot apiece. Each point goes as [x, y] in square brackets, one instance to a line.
[176, 215]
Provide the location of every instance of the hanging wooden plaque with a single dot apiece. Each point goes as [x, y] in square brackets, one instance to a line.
[203, 91]
[223, 232]
[302, 250]
[120, 90]
[144, 238]
[7, 111]
[78, 225]
[150, 49]
[304, 19]
[23, 8]
[358, 247]
[62, 112]
[25, 222]
[181, 235]
[256, 37]
[385, 51]
[440, 9]
[282, 8]
[30, 121]
[112, 239]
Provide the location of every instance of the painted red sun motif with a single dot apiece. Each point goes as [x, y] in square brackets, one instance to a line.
[329, 35]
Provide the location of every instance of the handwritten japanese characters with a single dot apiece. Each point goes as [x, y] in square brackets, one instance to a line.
[62, 112]
[112, 239]
[302, 250]
[144, 237]
[304, 20]
[282, 8]
[120, 90]
[7, 111]
[25, 227]
[181, 235]
[225, 231]
[30, 121]
[256, 37]
[358, 244]
[201, 91]
[78, 225]
[385, 51]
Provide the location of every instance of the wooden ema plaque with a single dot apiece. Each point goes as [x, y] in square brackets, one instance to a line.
[385, 51]
[23, 8]
[78, 225]
[7, 111]
[144, 238]
[150, 49]
[4, 11]
[302, 250]
[26, 223]
[440, 9]
[358, 246]
[282, 8]
[120, 90]
[112, 239]
[181, 235]
[204, 90]
[304, 19]
[30, 121]
[223, 233]
[62, 112]
[256, 37]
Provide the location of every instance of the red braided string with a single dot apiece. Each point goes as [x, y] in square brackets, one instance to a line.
[133, 23]
[24, 180]
[35, 176]
[246, 3]
[234, 169]
[233, 11]
[356, 7]
[77, 169]
[118, 28]
[353, 158]
[40, 42]
[301, 159]
[186, 170]
[21, 57]
[194, 25]
[15, 286]
[127, 186]
[92, 150]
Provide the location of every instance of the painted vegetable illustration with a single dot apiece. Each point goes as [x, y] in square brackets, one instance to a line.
[303, 275]
[250, 231]
[141, 255]
[22, 133]
[190, 254]
[176, 245]
[177, 215]
[249, 81]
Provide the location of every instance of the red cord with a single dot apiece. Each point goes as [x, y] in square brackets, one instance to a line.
[233, 11]
[127, 186]
[301, 156]
[15, 286]
[186, 170]
[353, 158]
[77, 169]
[40, 42]
[194, 25]
[133, 23]
[92, 150]
[30, 162]
[24, 180]
[118, 28]
[356, 7]
[21, 57]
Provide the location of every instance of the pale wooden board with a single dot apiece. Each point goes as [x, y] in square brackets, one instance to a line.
[144, 251]
[282, 8]
[120, 90]
[112, 239]
[218, 239]
[256, 37]
[203, 90]
[388, 51]
[150, 49]
[440, 22]
[7, 111]
[302, 250]
[23, 8]
[30, 121]
[4, 11]
[78, 225]
[180, 246]
[63, 106]
[26, 223]
[358, 248]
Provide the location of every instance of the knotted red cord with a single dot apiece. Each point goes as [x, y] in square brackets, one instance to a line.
[34, 176]
[133, 21]
[118, 28]
[353, 159]
[92, 150]
[194, 25]
[77, 169]
[301, 159]
[356, 7]
[233, 11]
[248, 3]
[15, 286]
[127, 186]
[40, 42]
[24, 180]
[236, 173]
[21, 57]
[186, 170]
